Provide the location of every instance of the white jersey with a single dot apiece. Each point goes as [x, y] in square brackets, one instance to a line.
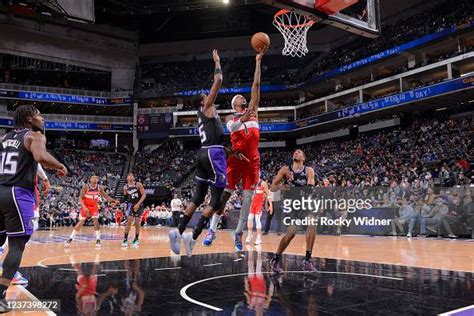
[176, 205]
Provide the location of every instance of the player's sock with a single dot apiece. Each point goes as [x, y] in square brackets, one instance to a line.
[308, 255]
[73, 234]
[136, 237]
[215, 221]
[200, 226]
[183, 223]
[125, 236]
[97, 234]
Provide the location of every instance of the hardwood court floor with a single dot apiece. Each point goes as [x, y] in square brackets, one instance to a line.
[51, 268]
[47, 248]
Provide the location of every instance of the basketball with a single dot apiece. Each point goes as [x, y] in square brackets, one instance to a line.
[260, 40]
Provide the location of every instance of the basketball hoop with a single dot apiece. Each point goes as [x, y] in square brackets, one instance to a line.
[294, 28]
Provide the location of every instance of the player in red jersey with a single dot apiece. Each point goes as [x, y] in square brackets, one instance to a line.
[258, 299]
[89, 199]
[86, 286]
[262, 195]
[244, 163]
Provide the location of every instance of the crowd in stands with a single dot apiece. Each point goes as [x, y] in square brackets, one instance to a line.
[164, 166]
[285, 70]
[61, 206]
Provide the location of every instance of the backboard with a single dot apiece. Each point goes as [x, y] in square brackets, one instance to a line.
[360, 17]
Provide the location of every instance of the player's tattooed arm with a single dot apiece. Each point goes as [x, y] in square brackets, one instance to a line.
[255, 95]
[218, 78]
[310, 176]
[278, 178]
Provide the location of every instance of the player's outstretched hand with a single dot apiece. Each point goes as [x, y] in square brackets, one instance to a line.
[260, 54]
[215, 56]
[247, 116]
[62, 172]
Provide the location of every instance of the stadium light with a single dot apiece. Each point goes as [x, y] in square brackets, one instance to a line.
[225, 1]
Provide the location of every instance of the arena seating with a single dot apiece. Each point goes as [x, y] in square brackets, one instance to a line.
[279, 69]
[63, 199]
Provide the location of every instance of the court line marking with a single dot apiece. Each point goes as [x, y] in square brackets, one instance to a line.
[113, 270]
[68, 269]
[212, 264]
[184, 295]
[173, 268]
[457, 310]
[33, 298]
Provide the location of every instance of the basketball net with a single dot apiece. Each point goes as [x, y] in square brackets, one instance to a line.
[294, 28]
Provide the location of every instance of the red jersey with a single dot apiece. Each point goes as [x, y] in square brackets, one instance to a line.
[91, 198]
[246, 139]
[259, 194]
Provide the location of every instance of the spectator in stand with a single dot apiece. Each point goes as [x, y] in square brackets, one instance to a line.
[176, 209]
[406, 213]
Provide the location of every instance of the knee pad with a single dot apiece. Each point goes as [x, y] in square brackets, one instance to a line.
[258, 222]
[200, 193]
[216, 198]
[18, 242]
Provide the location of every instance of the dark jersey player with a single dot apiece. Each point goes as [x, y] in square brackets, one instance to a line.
[211, 165]
[295, 175]
[135, 194]
[20, 152]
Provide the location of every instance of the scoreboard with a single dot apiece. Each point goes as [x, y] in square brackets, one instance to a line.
[154, 123]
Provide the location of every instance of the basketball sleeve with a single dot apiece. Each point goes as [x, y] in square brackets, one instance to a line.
[234, 125]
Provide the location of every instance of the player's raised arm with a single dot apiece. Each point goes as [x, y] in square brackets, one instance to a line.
[211, 98]
[255, 95]
[278, 178]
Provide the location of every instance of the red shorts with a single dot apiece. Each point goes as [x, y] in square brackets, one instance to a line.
[248, 172]
[256, 209]
[93, 212]
[257, 206]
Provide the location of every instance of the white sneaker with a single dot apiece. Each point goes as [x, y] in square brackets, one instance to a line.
[249, 238]
[409, 235]
[189, 243]
[175, 241]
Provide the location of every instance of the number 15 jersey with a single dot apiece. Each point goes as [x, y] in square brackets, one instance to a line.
[17, 165]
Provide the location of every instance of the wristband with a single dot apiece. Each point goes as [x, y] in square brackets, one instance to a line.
[218, 71]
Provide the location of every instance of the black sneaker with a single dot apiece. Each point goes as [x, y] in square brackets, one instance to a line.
[97, 243]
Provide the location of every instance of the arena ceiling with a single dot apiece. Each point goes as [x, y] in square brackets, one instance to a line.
[177, 20]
